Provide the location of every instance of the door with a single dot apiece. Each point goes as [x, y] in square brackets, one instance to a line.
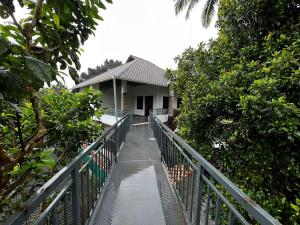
[148, 104]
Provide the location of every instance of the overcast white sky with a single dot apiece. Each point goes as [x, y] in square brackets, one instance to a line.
[144, 28]
[148, 29]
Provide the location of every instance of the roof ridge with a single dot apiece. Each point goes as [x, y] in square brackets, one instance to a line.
[150, 62]
[117, 67]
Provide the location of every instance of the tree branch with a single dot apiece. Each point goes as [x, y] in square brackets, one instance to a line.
[20, 132]
[4, 190]
[37, 13]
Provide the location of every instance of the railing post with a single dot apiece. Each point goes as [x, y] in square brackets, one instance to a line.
[76, 196]
[199, 190]
[116, 142]
[161, 144]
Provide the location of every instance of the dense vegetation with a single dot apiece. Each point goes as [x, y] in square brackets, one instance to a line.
[241, 101]
[107, 65]
[68, 119]
[40, 129]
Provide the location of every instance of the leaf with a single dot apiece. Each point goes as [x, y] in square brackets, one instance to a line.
[39, 69]
[56, 19]
[4, 45]
[15, 107]
[73, 73]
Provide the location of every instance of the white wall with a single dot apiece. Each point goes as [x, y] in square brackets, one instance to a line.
[108, 97]
[146, 90]
[158, 92]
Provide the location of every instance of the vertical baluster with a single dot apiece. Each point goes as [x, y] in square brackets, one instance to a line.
[82, 195]
[192, 194]
[218, 208]
[92, 181]
[180, 174]
[65, 202]
[183, 180]
[230, 218]
[76, 196]
[98, 173]
[101, 166]
[54, 216]
[199, 190]
[177, 169]
[168, 152]
[174, 159]
[88, 191]
[207, 205]
[187, 186]
[115, 146]
[105, 150]
[108, 149]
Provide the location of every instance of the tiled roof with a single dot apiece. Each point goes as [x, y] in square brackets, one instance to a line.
[135, 69]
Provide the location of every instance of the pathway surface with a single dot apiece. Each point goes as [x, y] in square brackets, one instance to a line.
[139, 192]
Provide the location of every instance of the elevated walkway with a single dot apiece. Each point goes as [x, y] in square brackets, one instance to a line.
[139, 191]
[140, 175]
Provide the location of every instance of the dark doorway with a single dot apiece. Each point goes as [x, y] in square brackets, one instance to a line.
[148, 104]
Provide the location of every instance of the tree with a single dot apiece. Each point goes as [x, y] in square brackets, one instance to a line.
[207, 13]
[32, 50]
[68, 118]
[107, 65]
[242, 92]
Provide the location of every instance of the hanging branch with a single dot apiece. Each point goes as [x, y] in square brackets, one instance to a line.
[20, 132]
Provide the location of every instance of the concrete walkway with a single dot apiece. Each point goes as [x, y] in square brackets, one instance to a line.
[139, 192]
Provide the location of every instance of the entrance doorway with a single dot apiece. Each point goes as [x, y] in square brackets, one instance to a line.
[148, 104]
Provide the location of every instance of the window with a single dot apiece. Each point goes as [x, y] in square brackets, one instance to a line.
[139, 102]
[178, 103]
[165, 102]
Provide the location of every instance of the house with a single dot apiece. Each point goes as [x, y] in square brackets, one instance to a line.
[140, 86]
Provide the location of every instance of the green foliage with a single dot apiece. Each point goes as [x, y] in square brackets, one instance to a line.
[241, 101]
[70, 121]
[39, 131]
[70, 117]
[49, 35]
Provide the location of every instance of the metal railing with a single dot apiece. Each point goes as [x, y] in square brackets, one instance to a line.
[112, 112]
[206, 195]
[160, 111]
[71, 195]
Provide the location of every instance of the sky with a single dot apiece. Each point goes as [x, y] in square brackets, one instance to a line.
[148, 29]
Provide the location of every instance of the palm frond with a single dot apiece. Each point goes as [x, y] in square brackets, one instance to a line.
[191, 6]
[208, 12]
[180, 5]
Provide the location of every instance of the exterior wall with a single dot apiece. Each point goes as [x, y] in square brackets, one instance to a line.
[158, 92]
[108, 97]
[146, 90]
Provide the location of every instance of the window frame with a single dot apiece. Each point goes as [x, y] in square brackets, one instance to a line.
[140, 102]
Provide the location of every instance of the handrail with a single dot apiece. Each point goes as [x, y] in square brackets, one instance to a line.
[185, 165]
[160, 111]
[78, 185]
[112, 112]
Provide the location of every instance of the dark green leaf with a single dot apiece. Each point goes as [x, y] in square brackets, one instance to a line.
[73, 73]
[4, 45]
[39, 69]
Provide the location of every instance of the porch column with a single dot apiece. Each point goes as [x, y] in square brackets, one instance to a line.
[171, 97]
[124, 96]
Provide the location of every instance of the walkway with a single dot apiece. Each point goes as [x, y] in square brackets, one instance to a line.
[139, 192]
